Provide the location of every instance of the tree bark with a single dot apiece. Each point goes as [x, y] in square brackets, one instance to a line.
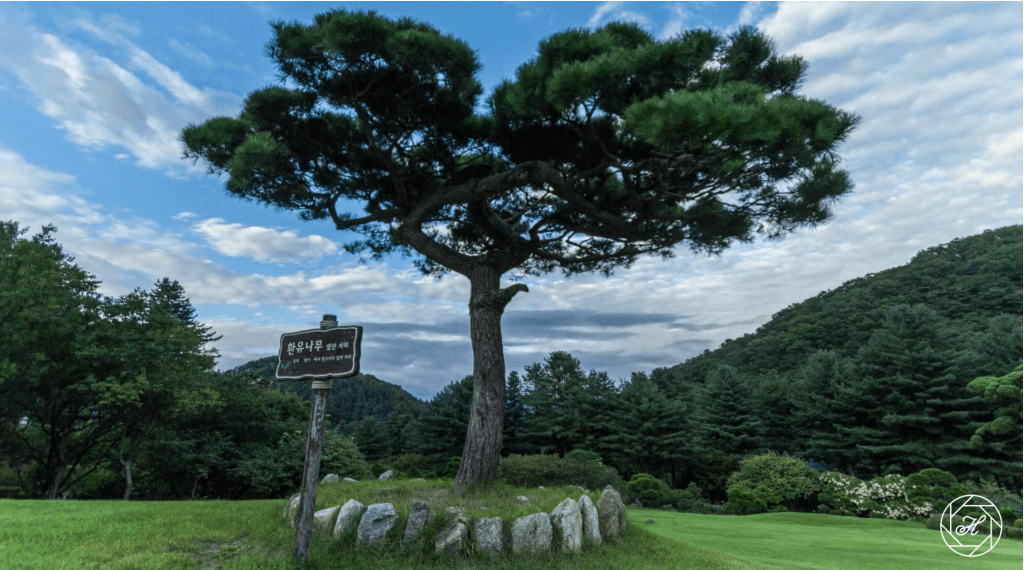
[482, 449]
[127, 465]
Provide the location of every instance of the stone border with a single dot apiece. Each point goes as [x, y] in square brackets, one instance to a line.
[577, 521]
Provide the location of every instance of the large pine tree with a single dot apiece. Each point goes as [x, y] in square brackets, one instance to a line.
[728, 421]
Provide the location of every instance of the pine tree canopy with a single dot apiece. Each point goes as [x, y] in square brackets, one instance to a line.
[607, 145]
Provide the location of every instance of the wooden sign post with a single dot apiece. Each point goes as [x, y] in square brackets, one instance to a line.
[319, 355]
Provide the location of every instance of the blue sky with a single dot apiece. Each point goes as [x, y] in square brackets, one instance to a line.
[93, 97]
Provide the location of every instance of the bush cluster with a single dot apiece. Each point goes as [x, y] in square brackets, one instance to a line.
[651, 491]
[550, 470]
[774, 479]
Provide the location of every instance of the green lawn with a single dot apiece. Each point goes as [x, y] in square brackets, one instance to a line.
[805, 541]
[249, 535]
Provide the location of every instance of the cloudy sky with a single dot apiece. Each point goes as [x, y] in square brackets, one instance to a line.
[93, 97]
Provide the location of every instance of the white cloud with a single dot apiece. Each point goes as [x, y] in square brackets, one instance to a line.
[263, 244]
[614, 12]
[100, 103]
[191, 52]
[676, 22]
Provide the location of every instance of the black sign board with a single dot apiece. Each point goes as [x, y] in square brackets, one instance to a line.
[319, 353]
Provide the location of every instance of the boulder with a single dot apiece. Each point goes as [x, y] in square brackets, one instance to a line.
[349, 517]
[523, 499]
[291, 510]
[611, 513]
[451, 539]
[540, 487]
[386, 475]
[330, 478]
[323, 521]
[419, 480]
[488, 535]
[591, 526]
[377, 522]
[349, 480]
[532, 533]
[454, 515]
[419, 516]
[566, 516]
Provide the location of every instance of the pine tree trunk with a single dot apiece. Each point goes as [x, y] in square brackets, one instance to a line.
[486, 418]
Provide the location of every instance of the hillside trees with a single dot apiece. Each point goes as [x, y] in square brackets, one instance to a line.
[607, 146]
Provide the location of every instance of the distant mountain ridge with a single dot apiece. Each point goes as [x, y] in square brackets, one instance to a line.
[968, 281]
[352, 399]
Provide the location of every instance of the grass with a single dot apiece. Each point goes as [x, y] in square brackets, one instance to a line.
[805, 541]
[251, 535]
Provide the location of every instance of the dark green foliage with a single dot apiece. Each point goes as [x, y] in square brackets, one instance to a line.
[816, 412]
[372, 439]
[777, 479]
[1005, 431]
[377, 469]
[513, 441]
[453, 466]
[689, 500]
[968, 281]
[934, 485]
[582, 455]
[550, 470]
[409, 462]
[743, 502]
[728, 421]
[351, 399]
[444, 427]
[710, 470]
[650, 432]
[651, 491]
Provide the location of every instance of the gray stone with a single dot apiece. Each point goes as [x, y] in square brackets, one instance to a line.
[578, 488]
[330, 478]
[488, 535]
[591, 526]
[323, 520]
[454, 515]
[349, 517]
[532, 533]
[451, 539]
[566, 516]
[386, 475]
[612, 514]
[377, 522]
[419, 515]
[349, 480]
[523, 499]
[291, 510]
[419, 480]
[540, 487]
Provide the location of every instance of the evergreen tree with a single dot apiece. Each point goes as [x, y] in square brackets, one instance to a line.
[728, 421]
[770, 397]
[607, 146]
[395, 428]
[650, 431]
[913, 412]
[515, 416]
[817, 384]
[555, 387]
[371, 438]
[444, 430]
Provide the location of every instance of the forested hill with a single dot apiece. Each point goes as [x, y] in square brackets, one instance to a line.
[967, 281]
[352, 399]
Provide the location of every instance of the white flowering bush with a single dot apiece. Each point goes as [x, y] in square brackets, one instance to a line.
[882, 497]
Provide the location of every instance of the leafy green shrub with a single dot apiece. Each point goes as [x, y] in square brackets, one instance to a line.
[582, 455]
[1000, 497]
[778, 509]
[1019, 523]
[651, 491]
[377, 469]
[414, 472]
[550, 470]
[1012, 532]
[711, 472]
[688, 500]
[452, 469]
[403, 463]
[933, 487]
[933, 522]
[430, 475]
[341, 456]
[1007, 514]
[743, 502]
[886, 497]
[824, 509]
[839, 493]
[776, 479]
